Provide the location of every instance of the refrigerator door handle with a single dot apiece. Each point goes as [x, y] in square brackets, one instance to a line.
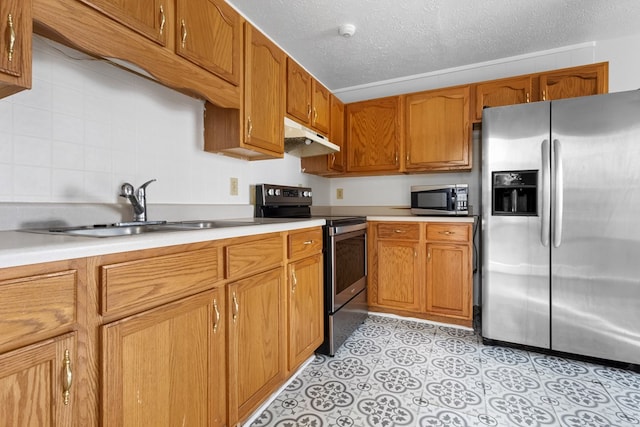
[546, 193]
[558, 193]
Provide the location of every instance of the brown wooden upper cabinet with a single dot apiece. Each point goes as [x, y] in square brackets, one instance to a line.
[264, 80]
[149, 18]
[437, 130]
[308, 102]
[207, 32]
[576, 81]
[336, 135]
[374, 135]
[255, 132]
[592, 79]
[510, 91]
[15, 46]
[210, 35]
[330, 164]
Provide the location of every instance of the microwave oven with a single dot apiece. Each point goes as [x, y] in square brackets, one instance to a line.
[439, 199]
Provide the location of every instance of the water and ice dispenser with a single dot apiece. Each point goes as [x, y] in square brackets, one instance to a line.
[515, 193]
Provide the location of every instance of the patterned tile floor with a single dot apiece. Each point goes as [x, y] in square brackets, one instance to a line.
[399, 372]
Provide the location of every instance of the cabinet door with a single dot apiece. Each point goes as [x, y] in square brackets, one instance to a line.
[298, 92]
[398, 275]
[15, 46]
[373, 135]
[503, 92]
[449, 280]
[148, 18]
[321, 108]
[330, 164]
[36, 384]
[209, 33]
[438, 132]
[306, 304]
[257, 356]
[336, 135]
[577, 81]
[161, 367]
[265, 74]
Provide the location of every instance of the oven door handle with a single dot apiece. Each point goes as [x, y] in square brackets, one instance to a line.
[333, 231]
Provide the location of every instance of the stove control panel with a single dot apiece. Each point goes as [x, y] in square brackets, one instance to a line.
[282, 195]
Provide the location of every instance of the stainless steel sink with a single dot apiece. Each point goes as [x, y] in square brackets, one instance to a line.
[134, 228]
[213, 224]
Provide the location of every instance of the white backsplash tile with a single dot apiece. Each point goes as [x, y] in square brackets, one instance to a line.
[68, 128]
[32, 151]
[6, 147]
[67, 185]
[30, 121]
[31, 184]
[67, 155]
[6, 180]
[6, 117]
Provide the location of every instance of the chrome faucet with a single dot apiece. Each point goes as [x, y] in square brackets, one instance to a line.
[137, 198]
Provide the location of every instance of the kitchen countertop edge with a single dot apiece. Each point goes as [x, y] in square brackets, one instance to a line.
[18, 248]
[399, 218]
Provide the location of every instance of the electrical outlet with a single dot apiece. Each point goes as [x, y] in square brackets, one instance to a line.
[233, 186]
[339, 193]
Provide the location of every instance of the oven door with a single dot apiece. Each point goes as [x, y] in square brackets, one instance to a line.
[347, 264]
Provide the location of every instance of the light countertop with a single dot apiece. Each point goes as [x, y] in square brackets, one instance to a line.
[24, 248]
[403, 218]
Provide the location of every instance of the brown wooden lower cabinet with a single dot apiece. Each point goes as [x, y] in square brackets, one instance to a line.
[166, 366]
[306, 320]
[421, 269]
[256, 337]
[36, 384]
[196, 334]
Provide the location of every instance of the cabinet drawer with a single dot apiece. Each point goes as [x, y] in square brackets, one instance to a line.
[254, 256]
[36, 304]
[305, 243]
[399, 231]
[157, 279]
[449, 232]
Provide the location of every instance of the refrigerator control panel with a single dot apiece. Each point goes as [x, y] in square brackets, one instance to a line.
[515, 193]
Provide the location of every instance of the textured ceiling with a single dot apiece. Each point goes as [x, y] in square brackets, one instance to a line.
[398, 38]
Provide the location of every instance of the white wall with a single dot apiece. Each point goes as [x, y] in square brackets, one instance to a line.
[87, 126]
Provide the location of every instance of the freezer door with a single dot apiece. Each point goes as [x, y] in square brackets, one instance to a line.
[515, 260]
[596, 238]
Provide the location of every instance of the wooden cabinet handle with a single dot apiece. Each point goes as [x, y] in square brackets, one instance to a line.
[398, 231]
[332, 158]
[163, 19]
[12, 37]
[216, 322]
[183, 29]
[447, 233]
[67, 378]
[308, 242]
[528, 98]
[315, 115]
[308, 111]
[544, 95]
[429, 255]
[294, 281]
[249, 127]
[236, 307]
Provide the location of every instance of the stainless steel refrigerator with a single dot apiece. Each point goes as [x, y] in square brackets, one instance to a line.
[560, 225]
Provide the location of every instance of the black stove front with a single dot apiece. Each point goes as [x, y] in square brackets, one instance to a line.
[344, 253]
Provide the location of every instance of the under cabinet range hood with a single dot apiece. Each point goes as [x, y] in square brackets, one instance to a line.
[303, 142]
